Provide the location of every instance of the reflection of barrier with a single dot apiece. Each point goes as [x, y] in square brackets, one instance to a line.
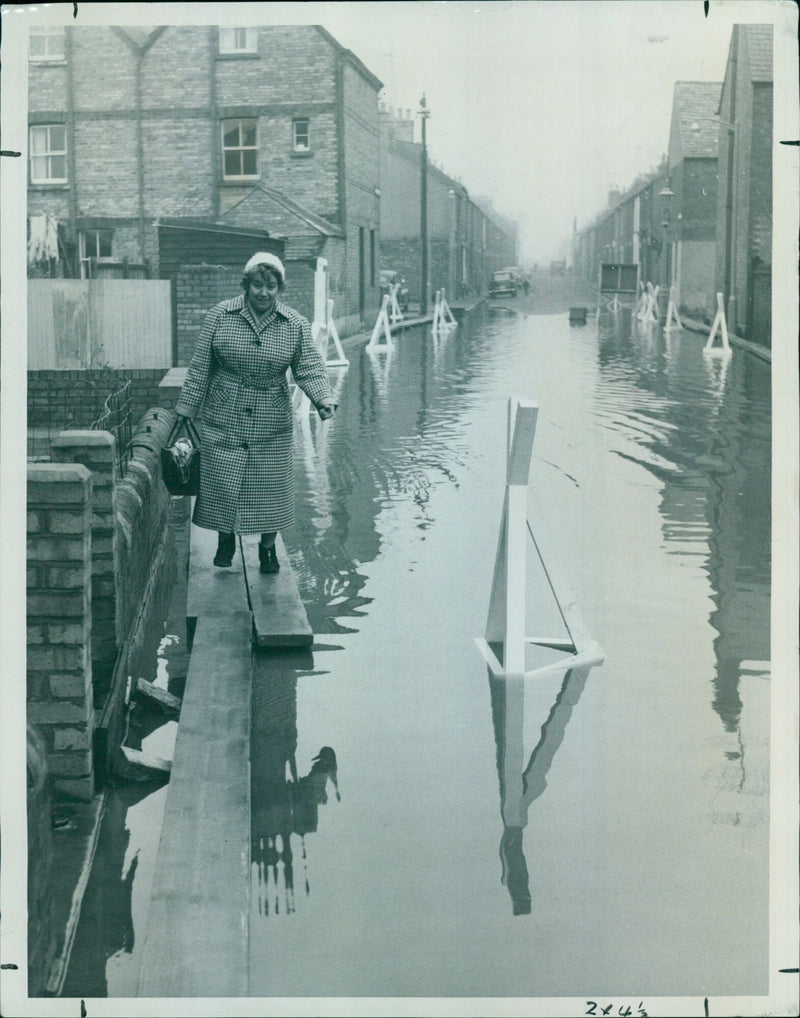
[395, 313]
[380, 361]
[522, 782]
[506, 620]
[382, 325]
[719, 325]
[672, 313]
[443, 318]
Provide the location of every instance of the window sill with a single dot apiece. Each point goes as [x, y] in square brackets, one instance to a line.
[239, 182]
[301, 154]
[51, 61]
[238, 56]
[60, 185]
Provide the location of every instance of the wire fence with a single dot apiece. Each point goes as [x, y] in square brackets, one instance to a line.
[116, 418]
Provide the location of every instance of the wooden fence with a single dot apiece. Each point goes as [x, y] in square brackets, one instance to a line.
[99, 323]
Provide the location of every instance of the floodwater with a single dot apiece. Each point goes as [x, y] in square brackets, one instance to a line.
[397, 849]
[420, 829]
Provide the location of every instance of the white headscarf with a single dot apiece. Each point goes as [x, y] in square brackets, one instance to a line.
[265, 258]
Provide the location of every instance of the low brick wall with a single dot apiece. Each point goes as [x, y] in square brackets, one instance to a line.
[92, 539]
[141, 507]
[59, 589]
[74, 399]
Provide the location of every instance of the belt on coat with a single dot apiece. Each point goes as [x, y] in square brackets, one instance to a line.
[251, 381]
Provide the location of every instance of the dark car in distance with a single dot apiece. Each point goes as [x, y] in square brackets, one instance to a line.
[503, 282]
[388, 278]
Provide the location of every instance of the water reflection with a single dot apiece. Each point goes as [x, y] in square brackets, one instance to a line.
[520, 783]
[701, 425]
[285, 806]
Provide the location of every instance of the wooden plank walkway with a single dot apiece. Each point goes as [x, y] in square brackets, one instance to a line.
[196, 944]
[279, 618]
[212, 590]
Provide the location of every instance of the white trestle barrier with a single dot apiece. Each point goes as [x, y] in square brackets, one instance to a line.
[382, 326]
[339, 361]
[395, 314]
[648, 305]
[672, 313]
[721, 326]
[443, 318]
[506, 620]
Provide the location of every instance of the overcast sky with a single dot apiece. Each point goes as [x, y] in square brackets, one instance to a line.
[541, 105]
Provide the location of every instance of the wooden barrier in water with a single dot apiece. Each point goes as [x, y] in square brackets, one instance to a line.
[648, 305]
[395, 314]
[382, 328]
[443, 318]
[672, 313]
[506, 622]
[720, 326]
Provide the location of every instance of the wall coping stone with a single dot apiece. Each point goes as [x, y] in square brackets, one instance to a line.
[69, 439]
[71, 472]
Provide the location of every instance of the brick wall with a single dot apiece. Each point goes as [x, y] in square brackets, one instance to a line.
[74, 399]
[96, 451]
[698, 199]
[199, 288]
[59, 585]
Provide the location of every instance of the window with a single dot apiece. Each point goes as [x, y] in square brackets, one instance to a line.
[238, 40]
[93, 244]
[48, 154]
[300, 136]
[46, 44]
[239, 149]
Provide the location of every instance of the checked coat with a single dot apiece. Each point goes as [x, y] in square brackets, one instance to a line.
[237, 383]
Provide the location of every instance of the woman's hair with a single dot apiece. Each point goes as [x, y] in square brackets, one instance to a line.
[262, 272]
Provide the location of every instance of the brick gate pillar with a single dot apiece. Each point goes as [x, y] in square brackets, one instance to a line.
[96, 451]
[59, 617]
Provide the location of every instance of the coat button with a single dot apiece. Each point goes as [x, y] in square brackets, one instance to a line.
[245, 445]
[248, 410]
[257, 342]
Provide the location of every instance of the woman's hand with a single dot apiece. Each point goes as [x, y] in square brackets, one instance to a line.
[325, 410]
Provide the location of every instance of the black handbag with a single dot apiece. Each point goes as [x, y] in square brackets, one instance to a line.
[180, 459]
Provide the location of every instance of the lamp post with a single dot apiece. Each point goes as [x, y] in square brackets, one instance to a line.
[424, 113]
[667, 194]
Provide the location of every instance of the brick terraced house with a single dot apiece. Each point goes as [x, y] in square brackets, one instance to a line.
[269, 135]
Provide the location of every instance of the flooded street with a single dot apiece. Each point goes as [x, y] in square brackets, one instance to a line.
[419, 829]
[391, 854]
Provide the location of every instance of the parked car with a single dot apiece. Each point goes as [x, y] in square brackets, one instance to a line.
[558, 268]
[503, 282]
[388, 278]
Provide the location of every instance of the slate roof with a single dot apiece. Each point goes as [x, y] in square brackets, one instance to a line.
[758, 42]
[303, 230]
[696, 103]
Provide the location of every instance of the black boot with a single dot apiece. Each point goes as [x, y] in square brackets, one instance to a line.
[225, 549]
[268, 559]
